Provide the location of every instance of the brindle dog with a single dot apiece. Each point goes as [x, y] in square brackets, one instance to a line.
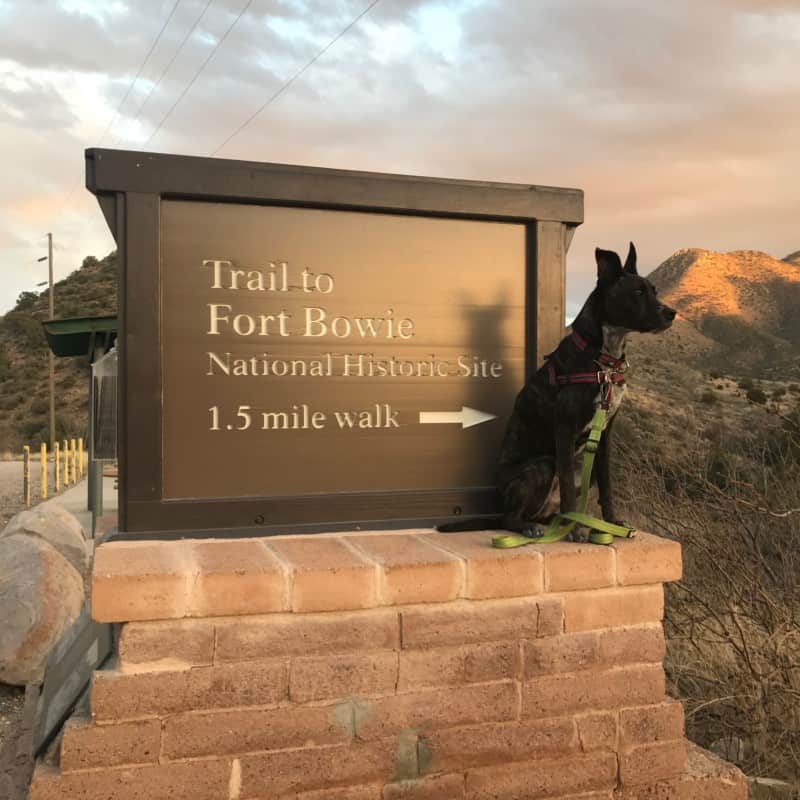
[539, 467]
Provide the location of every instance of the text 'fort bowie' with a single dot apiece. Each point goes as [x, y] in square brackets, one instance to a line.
[314, 320]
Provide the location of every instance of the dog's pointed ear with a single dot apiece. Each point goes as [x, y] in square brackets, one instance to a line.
[609, 266]
[630, 261]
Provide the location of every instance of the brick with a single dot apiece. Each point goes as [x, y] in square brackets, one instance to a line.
[438, 787]
[326, 677]
[653, 762]
[612, 608]
[241, 731]
[368, 792]
[492, 662]
[118, 696]
[188, 780]
[310, 768]
[708, 776]
[326, 574]
[177, 644]
[647, 559]
[565, 653]
[411, 569]
[86, 745]
[236, 577]
[480, 621]
[553, 695]
[662, 722]
[442, 708]
[542, 778]
[492, 573]
[307, 634]
[569, 567]
[664, 790]
[141, 581]
[451, 666]
[432, 667]
[597, 731]
[642, 643]
[469, 746]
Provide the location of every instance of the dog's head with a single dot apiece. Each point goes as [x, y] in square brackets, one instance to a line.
[628, 300]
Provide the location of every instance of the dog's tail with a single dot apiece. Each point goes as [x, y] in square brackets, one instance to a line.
[472, 524]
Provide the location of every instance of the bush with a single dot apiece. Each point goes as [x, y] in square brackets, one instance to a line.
[731, 623]
[26, 301]
[708, 397]
[745, 383]
[756, 395]
[780, 391]
[26, 329]
[40, 406]
[715, 375]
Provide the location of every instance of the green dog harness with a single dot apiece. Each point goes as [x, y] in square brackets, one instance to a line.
[602, 532]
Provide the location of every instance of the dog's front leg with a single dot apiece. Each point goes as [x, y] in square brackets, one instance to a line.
[602, 471]
[565, 464]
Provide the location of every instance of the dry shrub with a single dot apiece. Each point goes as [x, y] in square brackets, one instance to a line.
[732, 498]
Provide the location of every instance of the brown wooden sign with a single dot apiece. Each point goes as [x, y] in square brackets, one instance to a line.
[306, 349]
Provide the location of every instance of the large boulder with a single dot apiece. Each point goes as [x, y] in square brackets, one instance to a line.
[59, 528]
[41, 595]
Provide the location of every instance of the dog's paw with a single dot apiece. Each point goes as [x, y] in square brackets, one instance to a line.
[578, 535]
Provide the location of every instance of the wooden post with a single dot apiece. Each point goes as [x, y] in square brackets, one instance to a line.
[26, 475]
[65, 451]
[80, 457]
[51, 356]
[57, 464]
[43, 460]
[552, 242]
[73, 458]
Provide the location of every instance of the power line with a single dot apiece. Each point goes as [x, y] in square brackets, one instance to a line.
[197, 74]
[294, 77]
[122, 102]
[139, 72]
[166, 69]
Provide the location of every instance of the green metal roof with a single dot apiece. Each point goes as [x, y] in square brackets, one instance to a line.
[80, 336]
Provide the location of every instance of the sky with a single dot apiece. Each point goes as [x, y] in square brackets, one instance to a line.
[680, 120]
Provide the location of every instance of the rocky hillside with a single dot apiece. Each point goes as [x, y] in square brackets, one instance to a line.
[89, 291]
[736, 309]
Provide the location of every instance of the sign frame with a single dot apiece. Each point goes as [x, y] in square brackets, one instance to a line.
[130, 187]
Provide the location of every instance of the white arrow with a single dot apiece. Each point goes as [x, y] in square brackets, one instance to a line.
[467, 417]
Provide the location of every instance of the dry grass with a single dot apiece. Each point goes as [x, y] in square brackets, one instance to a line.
[726, 484]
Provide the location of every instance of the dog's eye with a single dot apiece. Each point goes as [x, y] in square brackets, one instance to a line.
[639, 291]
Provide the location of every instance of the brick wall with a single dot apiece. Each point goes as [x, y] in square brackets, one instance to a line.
[408, 666]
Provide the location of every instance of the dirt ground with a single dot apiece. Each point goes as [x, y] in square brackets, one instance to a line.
[11, 499]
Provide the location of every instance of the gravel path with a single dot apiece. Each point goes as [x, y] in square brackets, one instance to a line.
[11, 499]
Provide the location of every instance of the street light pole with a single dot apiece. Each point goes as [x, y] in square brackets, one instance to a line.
[50, 352]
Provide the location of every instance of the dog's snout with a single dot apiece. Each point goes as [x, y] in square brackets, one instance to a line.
[668, 312]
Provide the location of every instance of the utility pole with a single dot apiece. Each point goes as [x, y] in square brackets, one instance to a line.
[50, 352]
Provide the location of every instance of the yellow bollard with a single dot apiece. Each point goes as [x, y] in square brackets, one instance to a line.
[80, 457]
[44, 470]
[65, 453]
[26, 475]
[57, 463]
[73, 458]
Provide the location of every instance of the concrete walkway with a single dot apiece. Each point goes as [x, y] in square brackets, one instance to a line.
[75, 500]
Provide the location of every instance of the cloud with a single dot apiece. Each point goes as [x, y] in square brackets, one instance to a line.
[679, 120]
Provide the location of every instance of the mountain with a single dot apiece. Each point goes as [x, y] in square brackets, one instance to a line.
[737, 308]
[24, 395]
